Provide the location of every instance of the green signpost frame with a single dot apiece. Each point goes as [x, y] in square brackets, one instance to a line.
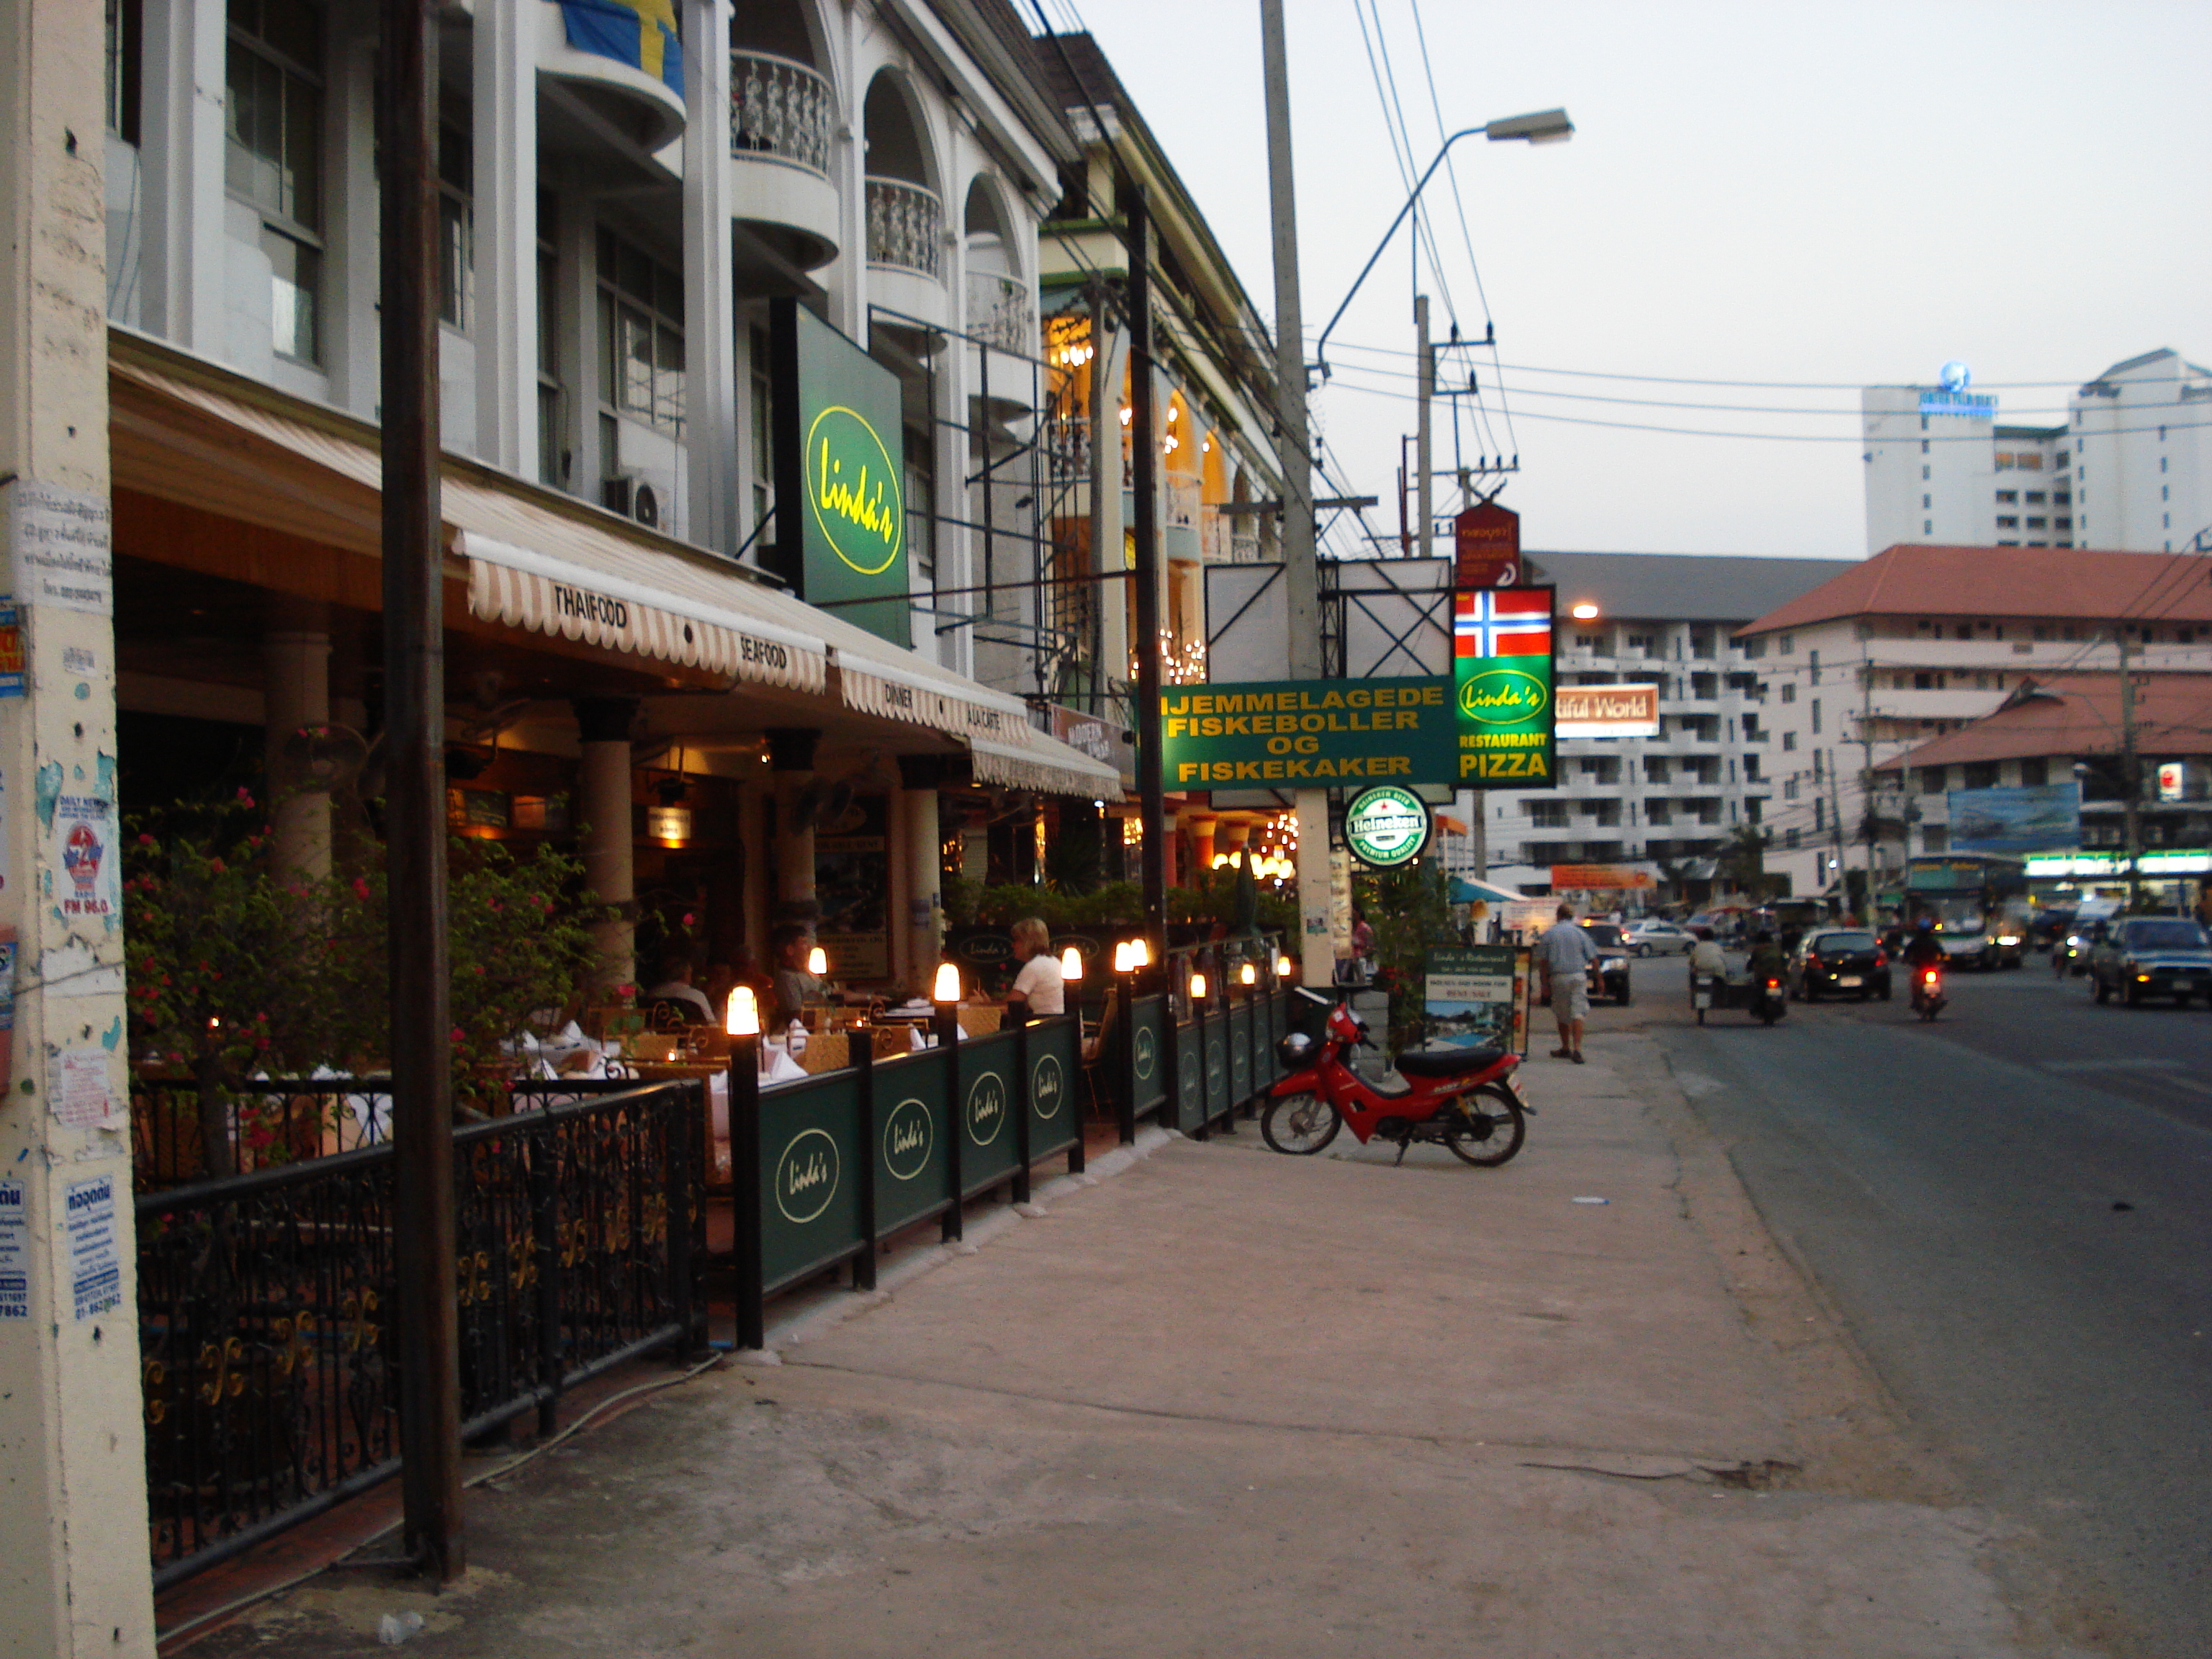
[840, 474]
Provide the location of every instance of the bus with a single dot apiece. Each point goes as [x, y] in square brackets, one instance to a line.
[1978, 899]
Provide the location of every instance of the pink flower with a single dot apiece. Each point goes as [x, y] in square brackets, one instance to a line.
[689, 918]
[145, 840]
[361, 888]
[459, 1036]
[216, 864]
[245, 796]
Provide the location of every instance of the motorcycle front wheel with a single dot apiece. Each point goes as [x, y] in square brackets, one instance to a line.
[1300, 1124]
[1485, 1127]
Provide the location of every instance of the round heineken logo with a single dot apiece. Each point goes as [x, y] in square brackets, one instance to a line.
[1047, 1087]
[853, 489]
[1502, 696]
[807, 1175]
[1148, 1052]
[907, 1135]
[986, 1108]
[1386, 826]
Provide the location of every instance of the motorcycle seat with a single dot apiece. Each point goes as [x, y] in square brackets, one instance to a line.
[1448, 1062]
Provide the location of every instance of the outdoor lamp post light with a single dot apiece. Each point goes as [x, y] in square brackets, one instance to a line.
[1198, 992]
[818, 962]
[1282, 968]
[946, 993]
[742, 1022]
[1248, 974]
[1071, 966]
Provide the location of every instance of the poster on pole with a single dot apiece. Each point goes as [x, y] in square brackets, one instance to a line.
[1478, 998]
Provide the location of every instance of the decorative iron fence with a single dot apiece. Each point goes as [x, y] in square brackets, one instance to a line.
[262, 1124]
[906, 227]
[270, 1362]
[999, 311]
[781, 108]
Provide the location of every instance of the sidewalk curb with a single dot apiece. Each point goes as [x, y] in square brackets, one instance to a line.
[826, 1310]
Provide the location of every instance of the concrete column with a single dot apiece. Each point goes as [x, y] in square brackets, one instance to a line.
[710, 380]
[296, 668]
[609, 860]
[181, 147]
[73, 1526]
[504, 330]
[1201, 840]
[919, 778]
[790, 761]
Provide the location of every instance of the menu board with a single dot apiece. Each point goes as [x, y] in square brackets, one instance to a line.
[1478, 997]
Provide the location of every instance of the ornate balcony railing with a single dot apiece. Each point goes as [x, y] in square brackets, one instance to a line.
[999, 311]
[906, 227]
[780, 108]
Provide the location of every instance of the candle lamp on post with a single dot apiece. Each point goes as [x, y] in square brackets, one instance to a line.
[743, 1023]
[946, 994]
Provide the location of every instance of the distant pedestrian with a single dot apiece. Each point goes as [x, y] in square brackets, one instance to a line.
[1565, 951]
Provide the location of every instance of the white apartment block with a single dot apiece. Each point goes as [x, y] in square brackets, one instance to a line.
[614, 231]
[1942, 469]
[1919, 641]
[1671, 802]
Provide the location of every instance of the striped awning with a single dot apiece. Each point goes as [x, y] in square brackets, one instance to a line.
[879, 680]
[1045, 764]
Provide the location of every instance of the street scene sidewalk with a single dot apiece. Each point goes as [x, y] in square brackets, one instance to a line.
[1224, 1401]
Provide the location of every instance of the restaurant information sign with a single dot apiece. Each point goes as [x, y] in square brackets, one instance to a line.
[1478, 997]
[1502, 687]
[1308, 733]
[840, 474]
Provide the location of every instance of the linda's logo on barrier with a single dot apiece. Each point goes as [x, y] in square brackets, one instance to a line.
[852, 487]
[1186, 1075]
[1148, 1052]
[1502, 696]
[1047, 1087]
[1214, 1057]
[907, 1135]
[807, 1175]
[986, 1108]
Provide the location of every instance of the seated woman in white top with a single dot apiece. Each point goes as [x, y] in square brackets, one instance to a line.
[1038, 988]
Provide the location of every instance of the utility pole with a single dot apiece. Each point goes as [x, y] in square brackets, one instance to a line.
[1144, 480]
[2130, 779]
[415, 722]
[1301, 576]
[1873, 825]
[1836, 812]
[1424, 491]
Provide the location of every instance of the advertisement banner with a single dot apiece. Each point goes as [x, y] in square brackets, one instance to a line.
[1502, 689]
[1600, 878]
[840, 473]
[1307, 733]
[1386, 826]
[1486, 547]
[2040, 818]
[1608, 711]
[1478, 998]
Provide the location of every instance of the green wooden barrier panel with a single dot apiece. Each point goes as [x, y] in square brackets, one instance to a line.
[914, 1170]
[1242, 1019]
[1190, 1076]
[1055, 1103]
[1213, 1065]
[812, 1147]
[987, 1097]
[1148, 1054]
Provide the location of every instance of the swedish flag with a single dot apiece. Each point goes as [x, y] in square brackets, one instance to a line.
[639, 33]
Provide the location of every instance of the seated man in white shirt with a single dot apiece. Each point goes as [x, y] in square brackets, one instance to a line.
[676, 986]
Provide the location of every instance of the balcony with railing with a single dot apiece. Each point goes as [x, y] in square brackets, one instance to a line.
[783, 116]
[999, 312]
[906, 228]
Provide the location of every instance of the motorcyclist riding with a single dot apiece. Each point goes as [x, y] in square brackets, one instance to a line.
[1923, 948]
[1765, 956]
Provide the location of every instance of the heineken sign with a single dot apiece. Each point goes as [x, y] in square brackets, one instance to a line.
[1386, 826]
[840, 527]
[1308, 733]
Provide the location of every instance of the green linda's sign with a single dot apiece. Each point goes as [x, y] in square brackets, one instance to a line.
[1502, 689]
[840, 474]
[1308, 733]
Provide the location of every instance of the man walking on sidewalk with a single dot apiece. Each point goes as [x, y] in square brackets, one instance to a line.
[1565, 951]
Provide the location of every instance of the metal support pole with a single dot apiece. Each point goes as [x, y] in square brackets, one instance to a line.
[1424, 493]
[864, 1064]
[2130, 772]
[1125, 1054]
[415, 724]
[1301, 576]
[946, 1025]
[745, 1191]
[1021, 1103]
[1144, 485]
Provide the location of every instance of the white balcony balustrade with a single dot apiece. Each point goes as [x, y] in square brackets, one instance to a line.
[781, 108]
[999, 312]
[906, 228]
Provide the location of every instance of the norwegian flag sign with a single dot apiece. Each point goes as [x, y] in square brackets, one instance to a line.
[1502, 687]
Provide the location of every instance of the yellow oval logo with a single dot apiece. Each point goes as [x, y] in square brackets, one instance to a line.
[1502, 696]
[853, 490]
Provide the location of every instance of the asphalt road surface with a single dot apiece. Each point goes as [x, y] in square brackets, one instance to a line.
[2012, 1208]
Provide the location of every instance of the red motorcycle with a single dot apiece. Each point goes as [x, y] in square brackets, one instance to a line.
[1461, 1096]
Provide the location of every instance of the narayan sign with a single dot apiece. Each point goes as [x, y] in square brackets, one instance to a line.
[1308, 733]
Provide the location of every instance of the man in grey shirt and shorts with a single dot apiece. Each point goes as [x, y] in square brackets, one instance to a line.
[1565, 951]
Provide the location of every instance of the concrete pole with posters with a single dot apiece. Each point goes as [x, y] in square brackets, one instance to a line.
[73, 1573]
[1301, 575]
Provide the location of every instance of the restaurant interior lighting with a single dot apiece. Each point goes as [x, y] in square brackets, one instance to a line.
[1071, 965]
[818, 962]
[947, 988]
[743, 1019]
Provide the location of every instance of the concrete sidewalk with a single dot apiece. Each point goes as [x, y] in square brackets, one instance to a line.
[1226, 1402]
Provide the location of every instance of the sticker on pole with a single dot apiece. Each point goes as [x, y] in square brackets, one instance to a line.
[1385, 827]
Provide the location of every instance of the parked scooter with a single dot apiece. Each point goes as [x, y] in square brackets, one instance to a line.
[1463, 1097]
[1928, 998]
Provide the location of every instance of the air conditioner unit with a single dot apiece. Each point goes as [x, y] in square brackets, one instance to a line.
[646, 497]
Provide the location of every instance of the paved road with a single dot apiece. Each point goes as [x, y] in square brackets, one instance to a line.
[2013, 1209]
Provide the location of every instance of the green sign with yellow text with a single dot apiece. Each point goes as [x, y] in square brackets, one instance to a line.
[1503, 705]
[840, 474]
[1306, 734]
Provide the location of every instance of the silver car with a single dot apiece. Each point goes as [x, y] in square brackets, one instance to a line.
[1654, 938]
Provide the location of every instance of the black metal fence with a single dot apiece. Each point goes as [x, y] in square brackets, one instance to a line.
[262, 1124]
[271, 1362]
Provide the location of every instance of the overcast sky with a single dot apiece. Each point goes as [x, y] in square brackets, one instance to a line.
[1842, 193]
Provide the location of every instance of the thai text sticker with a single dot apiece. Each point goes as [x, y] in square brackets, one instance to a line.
[85, 826]
[15, 1253]
[95, 1273]
[77, 1088]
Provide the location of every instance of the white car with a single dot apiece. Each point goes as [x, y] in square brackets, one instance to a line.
[1654, 938]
